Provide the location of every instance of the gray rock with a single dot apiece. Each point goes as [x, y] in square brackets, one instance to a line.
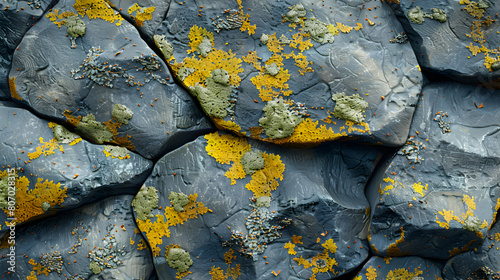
[110, 65]
[410, 268]
[450, 45]
[100, 235]
[301, 204]
[439, 195]
[62, 174]
[248, 39]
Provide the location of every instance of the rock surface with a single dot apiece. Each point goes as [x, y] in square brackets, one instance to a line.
[97, 241]
[399, 268]
[65, 173]
[305, 57]
[464, 47]
[303, 209]
[110, 64]
[440, 193]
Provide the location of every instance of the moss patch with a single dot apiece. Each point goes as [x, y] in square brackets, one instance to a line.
[349, 108]
[144, 202]
[278, 121]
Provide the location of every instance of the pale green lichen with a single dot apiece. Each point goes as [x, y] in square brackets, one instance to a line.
[76, 26]
[184, 72]
[214, 97]
[144, 202]
[438, 15]
[272, 69]
[122, 113]
[116, 151]
[4, 192]
[263, 201]
[318, 31]
[63, 135]
[96, 269]
[278, 121]
[179, 259]
[252, 161]
[472, 223]
[178, 200]
[298, 11]
[94, 130]
[416, 15]
[350, 108]
[45, 206]
[204, 47]
[165, 47]
[264, 39]
[495, 66]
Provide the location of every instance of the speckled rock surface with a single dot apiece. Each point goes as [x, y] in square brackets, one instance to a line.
[306, 57]
[71, 244]
[109, 65]
[462, 48]
[400, 268]
[480, 264]
[64, 174]
[304, 211]
[16, 17]
[440, 193]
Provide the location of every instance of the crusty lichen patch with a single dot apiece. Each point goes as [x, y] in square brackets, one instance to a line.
[278, 121]
[122, 113]
[349, 108]
[214, 95]
[144, 202]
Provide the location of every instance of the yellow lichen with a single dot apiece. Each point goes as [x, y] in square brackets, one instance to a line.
[97, 9]
[393, 250]
[46, 149]
[155, 231]
[448, 215]
[419, 188]
[358, 26]
[298, 41]
[13, 90]
[297, 239]
[142, 14]
[229, 256]
[253, 59]
[265, 180]
[53, 16]
[371, 273]
[473, 8]
[38, 268]
[330, 245]
[497, 207]
[403, 274]
[301, 62]
[226, 125]
[290, 246]
[196, 35]
[273, 44]
[265, 84]
[232, 272]
[321, 263]
[141, 245]
[343, 28]
[457, 250]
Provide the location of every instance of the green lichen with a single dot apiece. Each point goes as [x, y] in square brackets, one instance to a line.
[116, 151]
[298, 11]
[122, 113]
[416, 15]
[76, 26]
[272, 69]
[179, 259]
[178, 200]
[204, 47]
[318, 31]
[481, 4]
[472, 223]
[278, 121]
[165, 47]
[438, 15]
[214, 97]
[4, 192]
[63, 135]
[96, 269]
[284, 40]
[45, 206]
[263, 201]
[252, 161]
[495, 66]
[264, 39]
[94, 130]
[184, 72]
[349, 107]
[144, 202]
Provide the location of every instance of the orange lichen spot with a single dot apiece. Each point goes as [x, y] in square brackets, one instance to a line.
[13, 90]
[253, 59]
[393, 250]
[97, 9]
[265, 180]
[142, 14]
[70, 119]
[227, 148]
[46, 149]
[297, 239]
[371, 273]
[255, 132]
[290, 246]
[226, 125]
[196, 35]
[402, 273]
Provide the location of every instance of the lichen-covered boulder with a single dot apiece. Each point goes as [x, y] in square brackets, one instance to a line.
[336, 66]
[407, 268]
[440, 193]
[456, 38]
[483, 263]
[16, 17]
[105, 82]
[53, 169]
[300, 214]
[96, 241]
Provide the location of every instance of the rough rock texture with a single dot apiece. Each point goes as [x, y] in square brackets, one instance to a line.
[338, 47]
[76, 244]
[304, 206]
[440, 193]
[16, 17]
[109, 65]
[480, 264]
[64, 175]
[454, 48]
[399, 268]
